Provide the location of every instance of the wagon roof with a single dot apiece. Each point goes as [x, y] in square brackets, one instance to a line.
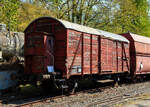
[139, 38]
[86, 29]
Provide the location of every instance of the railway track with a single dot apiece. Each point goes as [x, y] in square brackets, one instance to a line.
[118, 99]
[50, 99]
[100, 101]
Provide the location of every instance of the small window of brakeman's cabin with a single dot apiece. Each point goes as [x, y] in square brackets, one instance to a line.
[35, 42]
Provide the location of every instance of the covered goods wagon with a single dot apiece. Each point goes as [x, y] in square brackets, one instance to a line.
[58, 47]
[139, 53]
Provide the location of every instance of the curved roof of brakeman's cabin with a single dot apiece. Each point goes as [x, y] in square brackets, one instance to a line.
[85, 29]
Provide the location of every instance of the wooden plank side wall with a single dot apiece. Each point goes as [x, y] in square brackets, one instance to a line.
[94, 54]
[74, 39]
[73, 51]
[119, 56]
[126, 56]
[87, 60]
[86, 54]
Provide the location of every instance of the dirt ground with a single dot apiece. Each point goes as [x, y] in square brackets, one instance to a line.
[140, 101]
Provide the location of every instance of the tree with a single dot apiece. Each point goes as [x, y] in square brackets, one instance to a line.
[9, 13]
[127, 16]
[118, 16]
[124, 16]
[77, 11]
[29, 12]
[104, 15]
[142, 21]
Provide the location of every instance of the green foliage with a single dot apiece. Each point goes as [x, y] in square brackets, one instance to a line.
[29, 12]
[9, 13]
[142, 21]
[118, 16]
[124, 16]
[77, 11]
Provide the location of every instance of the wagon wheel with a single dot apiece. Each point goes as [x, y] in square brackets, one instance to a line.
[134, 80]
[47, 86]
[141, 78]
[116, 80]
[96, 84]
[72, 87]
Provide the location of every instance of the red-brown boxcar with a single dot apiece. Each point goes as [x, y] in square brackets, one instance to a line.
[139, 53]
[72, 49]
